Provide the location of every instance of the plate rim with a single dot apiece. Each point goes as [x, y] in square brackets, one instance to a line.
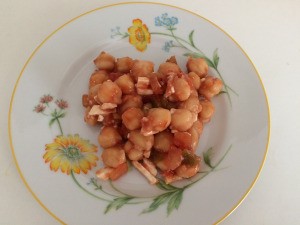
[231, 210]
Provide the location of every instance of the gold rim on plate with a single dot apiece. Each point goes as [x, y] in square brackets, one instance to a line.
[112, 5]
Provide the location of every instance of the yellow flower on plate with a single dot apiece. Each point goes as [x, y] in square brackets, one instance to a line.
[139, 35]
[71, 153]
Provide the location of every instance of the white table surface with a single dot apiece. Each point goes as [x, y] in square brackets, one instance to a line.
[268, 30]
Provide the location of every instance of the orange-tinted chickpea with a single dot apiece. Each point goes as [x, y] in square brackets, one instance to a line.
[109, 92]
[182, 120]
[141, 141]
[108, 137]
[210, 87]
[132, 117]
[158, 119]
[105, 61]
[197, 65]
[98, 77]
[131, 101]
[141, 68]
[207, 111]
[168, 68]
[126, 84]
[196, 80]
[124, 64]
[163, 141]
[113, 157]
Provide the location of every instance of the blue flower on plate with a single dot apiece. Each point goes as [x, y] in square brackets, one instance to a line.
[168, 45]
[165, 21]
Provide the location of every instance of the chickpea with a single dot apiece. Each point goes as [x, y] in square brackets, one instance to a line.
[109, 92]
[126, 84]
[163, 141]
[195, 131]
[113, 157]
[194, 139]
[131, 101]
[181, 88]
[141, 141]
[105, 62]
[195, 79]
[207, 111]
[197, 65]
[124, 64]
[141, 68]
[192, 104]
[170, 160]
[108, 137]
[186, 171]
[157, 158]
[92, 95]
[183, 140]
[98, 77]
[158, 119]
[132, 118]
[168, 68]
[170, 176]
[182, 119]
[210, 87]
[198, 127]
[93, 91]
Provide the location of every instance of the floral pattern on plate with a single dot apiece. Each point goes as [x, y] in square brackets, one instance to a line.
[72, 154]
[140, 37]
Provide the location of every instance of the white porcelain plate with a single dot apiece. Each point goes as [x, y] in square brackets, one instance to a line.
[55, 150]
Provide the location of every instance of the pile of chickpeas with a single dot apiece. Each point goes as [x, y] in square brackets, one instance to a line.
[152, 120]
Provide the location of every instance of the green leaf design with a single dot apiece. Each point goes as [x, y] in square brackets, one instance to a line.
[93, 181]
[158, 201]
[51, 122]
[174, 201]
[206, 156]
[216, 58]
[54, 113]
[117, 203]
[191, 38]
[61, 115]
[209, 63]
[223, 157]
[125, 35]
